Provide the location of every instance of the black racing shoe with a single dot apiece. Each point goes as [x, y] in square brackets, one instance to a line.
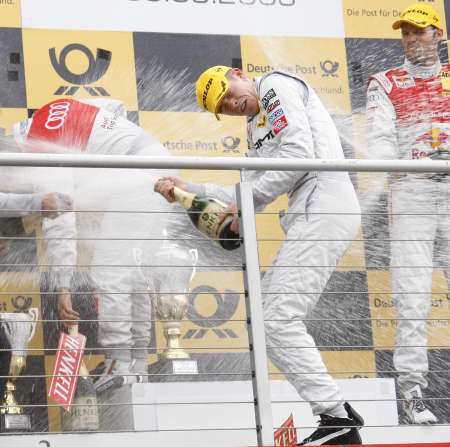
[112, 374]
[334, 431]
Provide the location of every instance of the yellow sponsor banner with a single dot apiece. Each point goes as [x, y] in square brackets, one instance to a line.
[19, 291]
[374, 18]
[10, 116]
[199, 134]
[319, 61]
[340, 365]
[218, 296]
[195, 133]
[71, 64]
[382, 306]
[10, 14]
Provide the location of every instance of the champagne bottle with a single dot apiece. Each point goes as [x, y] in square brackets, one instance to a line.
[204, 214]
[84, 414]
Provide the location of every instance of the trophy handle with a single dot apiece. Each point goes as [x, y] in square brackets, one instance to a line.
[137, 255]
[194, 254]
[34, 313]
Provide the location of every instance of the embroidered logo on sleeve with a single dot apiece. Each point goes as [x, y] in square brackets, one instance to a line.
[274, 115]
[279, 124]
[273, 105]
[262, 121]
[267, 97]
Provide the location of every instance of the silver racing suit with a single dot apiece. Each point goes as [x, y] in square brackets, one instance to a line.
[125, 197]
[322, 218]
[62, 226]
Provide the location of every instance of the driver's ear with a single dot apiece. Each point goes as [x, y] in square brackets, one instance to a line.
[236, 72]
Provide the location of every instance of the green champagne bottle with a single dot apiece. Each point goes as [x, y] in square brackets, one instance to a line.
[204, 214]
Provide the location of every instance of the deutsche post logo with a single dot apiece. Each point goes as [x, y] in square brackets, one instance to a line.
[230, 144]
[98, 65]
[329, 68]
[226, 307]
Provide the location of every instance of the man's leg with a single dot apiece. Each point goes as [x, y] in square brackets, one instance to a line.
[141, 313]
[287, 303]
[413, 229]
[293, 293]
[113, 282]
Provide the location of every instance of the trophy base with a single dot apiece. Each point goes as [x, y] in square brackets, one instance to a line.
[15, 423]
[171, 369]
[184, 366]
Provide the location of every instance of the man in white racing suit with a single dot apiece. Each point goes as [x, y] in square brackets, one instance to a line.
[57, 222]
[408, 115]
[286, 119]
[101, 127]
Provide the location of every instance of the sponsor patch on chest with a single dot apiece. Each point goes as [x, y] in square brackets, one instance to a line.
[267, 97]
[279, 124]
[404, 81]
[275, 115]
[273, 106]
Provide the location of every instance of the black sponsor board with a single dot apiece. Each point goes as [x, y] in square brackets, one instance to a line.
[167, 66]
[12, 78]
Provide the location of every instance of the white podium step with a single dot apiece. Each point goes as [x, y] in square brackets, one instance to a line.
[201, 414]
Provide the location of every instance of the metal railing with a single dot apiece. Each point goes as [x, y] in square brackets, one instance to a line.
[251, 268]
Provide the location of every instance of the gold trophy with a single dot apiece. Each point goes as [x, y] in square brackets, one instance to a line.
[171, 303]
[168, 281]
[19, 329]
[171, 309]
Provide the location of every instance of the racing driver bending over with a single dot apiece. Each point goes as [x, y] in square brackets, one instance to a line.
[101, 127]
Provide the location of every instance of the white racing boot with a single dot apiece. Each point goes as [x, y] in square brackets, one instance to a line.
[139, 367]
[415, 408]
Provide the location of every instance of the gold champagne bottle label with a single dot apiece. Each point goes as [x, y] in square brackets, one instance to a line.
[183, 197]
[208, 222]
[83, 415]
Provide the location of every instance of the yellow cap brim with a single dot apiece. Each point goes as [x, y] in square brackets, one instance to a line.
[398, 24]
[219, 102]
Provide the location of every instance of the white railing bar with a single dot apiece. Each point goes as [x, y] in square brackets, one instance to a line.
[221, 163]
[240, 402]
[255, 326]
[240, 374]
[221, 320]
[215, 429]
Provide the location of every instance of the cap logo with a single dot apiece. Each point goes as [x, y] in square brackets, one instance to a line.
[205, 93]
[414, 10]
[224, 88]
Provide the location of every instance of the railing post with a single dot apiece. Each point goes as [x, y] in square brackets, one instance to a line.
[255, 317]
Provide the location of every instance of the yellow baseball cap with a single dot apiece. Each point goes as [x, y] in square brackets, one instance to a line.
[420, 15]
[211, 86]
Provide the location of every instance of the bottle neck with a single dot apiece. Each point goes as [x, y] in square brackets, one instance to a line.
[183, 197]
